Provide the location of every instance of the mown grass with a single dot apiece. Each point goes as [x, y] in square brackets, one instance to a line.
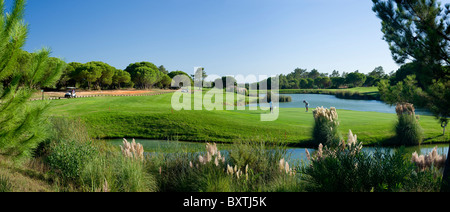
[152, 117]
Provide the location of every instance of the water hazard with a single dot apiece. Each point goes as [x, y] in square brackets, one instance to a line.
[327, 101]
[296, 154]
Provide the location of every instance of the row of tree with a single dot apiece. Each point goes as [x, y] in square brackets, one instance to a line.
[100, 75]
[302, 79]
[146, 75]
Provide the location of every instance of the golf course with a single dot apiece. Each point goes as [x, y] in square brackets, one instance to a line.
[226, 96]
[152, 117]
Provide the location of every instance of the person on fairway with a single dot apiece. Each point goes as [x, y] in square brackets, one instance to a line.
[271, 107]
[306, 105]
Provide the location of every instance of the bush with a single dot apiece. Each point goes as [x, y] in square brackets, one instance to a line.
[94, 167]
[131, 176]
[408, 131]
[260, 162]
[5, 184]
[69, 158]
[96, 175]
[353, 170]
[62, 129]
[281, 98]
[325, 128]
[114, 172]
[247, 167]
[284, 98]
[184, 171]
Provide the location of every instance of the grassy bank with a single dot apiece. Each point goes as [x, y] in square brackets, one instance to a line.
[29, 177]
[152, 117]
[364, 93]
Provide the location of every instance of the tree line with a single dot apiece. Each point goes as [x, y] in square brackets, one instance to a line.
[98, 75]
[304, 79]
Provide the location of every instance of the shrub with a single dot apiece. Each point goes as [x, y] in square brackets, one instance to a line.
[96, 175]
[247, 167]
[326, 127]
[5, 184]
[284, 98]
[263, 167]
[63, 129]
[69, 158]
[408, 130]
[432, 159]
[349, 169]
[130, 176]
[175, 172]
[113, 172]
[200, 172]
[95, 167]
[281, 98]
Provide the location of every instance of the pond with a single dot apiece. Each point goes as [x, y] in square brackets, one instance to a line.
[442, 149]
[327, 101]
[296, 154]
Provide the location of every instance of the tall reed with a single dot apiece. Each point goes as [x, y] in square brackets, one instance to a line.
[326, 127]
[432, 159]
[246, 167]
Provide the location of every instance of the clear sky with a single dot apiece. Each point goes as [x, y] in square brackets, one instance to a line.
[227, 37]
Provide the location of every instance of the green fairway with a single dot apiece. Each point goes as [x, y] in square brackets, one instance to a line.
[152, 117]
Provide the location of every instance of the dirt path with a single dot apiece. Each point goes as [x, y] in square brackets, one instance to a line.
[47, 95]
[114, 92]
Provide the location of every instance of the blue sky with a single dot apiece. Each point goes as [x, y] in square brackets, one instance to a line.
[227, 37]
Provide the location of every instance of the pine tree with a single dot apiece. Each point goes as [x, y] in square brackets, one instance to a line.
[22, 125]
[419, 31]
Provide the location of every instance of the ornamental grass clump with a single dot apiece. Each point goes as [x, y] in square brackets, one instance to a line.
[432, 159]
[212, 155]
[352, 147]
[347, 168]
[132, 150]
[262, 166]
[285, 168]
[352, 143]
[326, 127]
[186, 171]
[408, 130]
[237, 172]
[246, 167]
[114, 171]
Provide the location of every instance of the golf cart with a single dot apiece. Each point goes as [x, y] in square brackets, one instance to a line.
[71, 93]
